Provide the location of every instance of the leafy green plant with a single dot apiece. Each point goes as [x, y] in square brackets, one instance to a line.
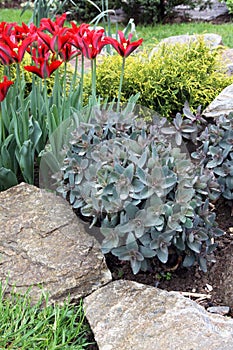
[216, 152]
[174, 74]
[87, 10]
[28, 78]
[167, 276]
[229, 4]
[35, 105]
[40, 326]
[143, 11]
[130, 178]
[43, 9]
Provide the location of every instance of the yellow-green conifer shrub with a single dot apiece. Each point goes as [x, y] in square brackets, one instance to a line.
[172, 75]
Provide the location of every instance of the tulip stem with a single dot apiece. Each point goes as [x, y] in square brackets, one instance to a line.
[63, 115]
[81, 82]
[93, 72]
[49, 118]
[2, 129]
[24, 117]
[121, 83]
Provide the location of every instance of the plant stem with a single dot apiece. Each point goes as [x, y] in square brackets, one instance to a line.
[93, 72]
[46, 101]
[63, 115]
[24, 116]
[2, 130]
[81, 83]
[121, 83]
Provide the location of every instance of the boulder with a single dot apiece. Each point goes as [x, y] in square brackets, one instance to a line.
[127, 315]
[43, 245]
[227, 57]
[211, 40]
[221, 105]
[217, 11]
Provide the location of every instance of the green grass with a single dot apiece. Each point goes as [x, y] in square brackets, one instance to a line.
[24, 326]
[14, 15]
[153, 34]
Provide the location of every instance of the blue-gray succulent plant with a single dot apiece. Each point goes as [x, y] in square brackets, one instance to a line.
[216, 152]
[133, 180]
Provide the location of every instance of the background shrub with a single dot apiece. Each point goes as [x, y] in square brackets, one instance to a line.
[229, 4]
[85, 11]
[154, 11]
[174, 74]
[143, 11]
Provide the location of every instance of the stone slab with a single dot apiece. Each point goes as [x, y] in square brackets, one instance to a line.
[126, 315]
[43, 245]
[221, 105]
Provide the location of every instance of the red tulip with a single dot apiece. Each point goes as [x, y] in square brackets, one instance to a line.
[57, 41]
[43, 68]
[90, 42]
[50, 26]
[30, 38]
[124, 47]
[78, 31]
[8, 51]
[4, 86]
[67, 53]
[6, 28]
[25, 31]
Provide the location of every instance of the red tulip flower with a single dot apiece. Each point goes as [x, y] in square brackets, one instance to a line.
[78, 31]
[57, 41]
[125, 47]
[6, 28]
[4, 86]
[50, 26]
[43, 68]
[23, 32]
[90, 42]
[8, 51]
[67, 53]
[30, 38]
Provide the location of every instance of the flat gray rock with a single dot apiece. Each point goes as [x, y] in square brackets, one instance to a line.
[221, 105]
[126, 315]
[217, 10]
[211, 40]
[42, 244]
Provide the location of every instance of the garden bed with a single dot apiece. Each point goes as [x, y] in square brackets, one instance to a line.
[182, 279]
